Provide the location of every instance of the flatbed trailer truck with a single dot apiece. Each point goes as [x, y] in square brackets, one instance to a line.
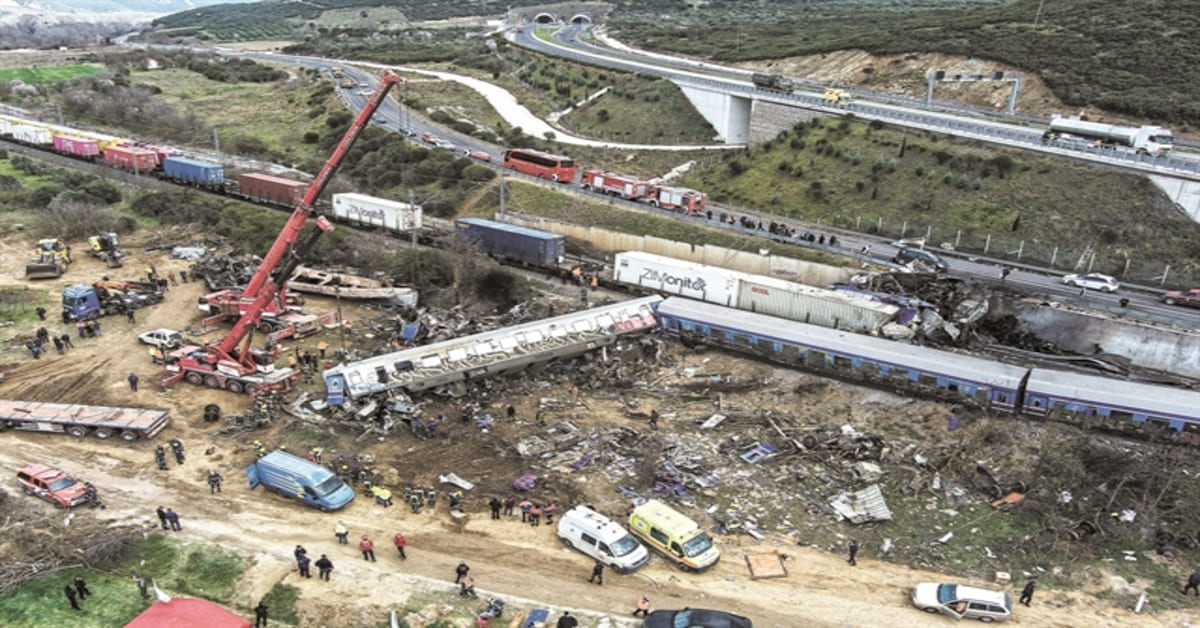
[103, 422]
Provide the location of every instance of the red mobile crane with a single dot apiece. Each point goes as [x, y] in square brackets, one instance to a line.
[222, 364]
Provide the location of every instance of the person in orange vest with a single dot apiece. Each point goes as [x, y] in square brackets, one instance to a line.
[643, 606]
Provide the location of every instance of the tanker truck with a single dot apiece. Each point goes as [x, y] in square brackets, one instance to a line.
[1145, 140]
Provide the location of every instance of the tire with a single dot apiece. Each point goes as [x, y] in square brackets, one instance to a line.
[554, 177]
[250, 389]
[931, 610]
[194, 378]
[78, 431]
[567, 542]
[211, 381]
[987, 620]
[234, 386]
[103, 433]
[129, 436]
[1169, 301]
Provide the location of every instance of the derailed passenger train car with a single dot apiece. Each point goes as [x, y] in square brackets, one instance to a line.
[1092, 401]
[492, 353]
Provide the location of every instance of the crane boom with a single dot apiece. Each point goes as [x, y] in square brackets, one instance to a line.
[272, 274]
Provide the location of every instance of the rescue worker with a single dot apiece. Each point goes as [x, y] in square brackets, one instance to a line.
[853, 552]
[214, 482]
[383, 496]
[324, 567]
[495, 505]
[510, 502]
[467, 587]
[525, 507]
[162, 516]
[160, 457]
[260, 450]
[260, 614]
[367, 548]
[400, 542]
[1027, 592]
[414, 501]
[535, 516]
[431, 497]
[548, 510]
[597, 573]
[461, 571]
[70, 593]
[303, 564]
[341, 533]
[81, 588]
[177, 448]
[455, 499]
[643, 607]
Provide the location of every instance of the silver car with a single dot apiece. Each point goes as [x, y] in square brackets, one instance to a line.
[1093, 281]
[961, 601]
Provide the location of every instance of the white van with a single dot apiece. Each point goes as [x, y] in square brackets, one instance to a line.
[601, 538]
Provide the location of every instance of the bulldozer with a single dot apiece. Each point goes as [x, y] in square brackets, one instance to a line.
[51, 261]
[106, 248]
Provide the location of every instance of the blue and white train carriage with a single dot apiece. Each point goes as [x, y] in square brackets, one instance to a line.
[491, 353]
[1090, 400]
[846, 354]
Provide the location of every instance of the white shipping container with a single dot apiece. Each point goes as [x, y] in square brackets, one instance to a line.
[678, 277]
[815, 306]
[371, 211]
[31, 134]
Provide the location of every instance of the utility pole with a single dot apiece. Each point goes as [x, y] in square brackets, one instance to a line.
[502, 208]
[1037, 16]
[217, 143]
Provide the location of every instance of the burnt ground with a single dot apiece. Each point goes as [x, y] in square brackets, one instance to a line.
[940, 467]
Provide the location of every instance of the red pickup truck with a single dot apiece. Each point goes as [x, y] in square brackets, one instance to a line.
[1179, 297]
[52, 485]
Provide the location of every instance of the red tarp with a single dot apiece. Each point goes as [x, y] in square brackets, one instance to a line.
[187, 613]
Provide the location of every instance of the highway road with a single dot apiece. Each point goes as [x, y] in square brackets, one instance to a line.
[957, 120]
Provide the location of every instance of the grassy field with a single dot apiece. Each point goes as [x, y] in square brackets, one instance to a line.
[273, 113]
[49, 74]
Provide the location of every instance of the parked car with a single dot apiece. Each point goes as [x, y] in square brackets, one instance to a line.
[695, 618]
[52, 485]
[479, 155]
[430, 138]
[1093, 281]
[907, 254]
[960, 601]
[1178, 297]
[162, 338]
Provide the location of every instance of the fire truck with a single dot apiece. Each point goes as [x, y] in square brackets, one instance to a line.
[676, 199]
[233, 363]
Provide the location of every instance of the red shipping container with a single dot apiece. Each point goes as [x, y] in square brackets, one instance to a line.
[268, 188]
[131, 158]
[78, 146]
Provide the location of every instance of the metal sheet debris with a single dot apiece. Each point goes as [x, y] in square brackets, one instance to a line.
[862, 506]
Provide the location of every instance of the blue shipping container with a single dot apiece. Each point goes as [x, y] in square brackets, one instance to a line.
[504, 240]
[194, 171]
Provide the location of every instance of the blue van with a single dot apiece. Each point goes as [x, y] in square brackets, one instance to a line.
[300, 479]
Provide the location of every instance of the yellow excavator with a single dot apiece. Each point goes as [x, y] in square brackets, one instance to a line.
[52, 256]
[106, 247]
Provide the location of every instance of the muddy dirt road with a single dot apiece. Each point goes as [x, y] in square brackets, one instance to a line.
[507, 558]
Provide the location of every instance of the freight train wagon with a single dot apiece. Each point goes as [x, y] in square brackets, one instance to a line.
[194, 172]
[754, 293]
[260, 187]
[512, 242]
[369, 211]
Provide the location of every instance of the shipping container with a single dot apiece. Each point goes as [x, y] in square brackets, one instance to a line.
[31, 134]
[504, 240]
[131, 158]
[808, 304]
[194, 171]
[78, 146]
[264, 187]
[679, 277]
[370, 211]
[5, 126]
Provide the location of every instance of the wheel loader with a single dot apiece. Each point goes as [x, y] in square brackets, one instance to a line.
[106, 248]
[51, 261]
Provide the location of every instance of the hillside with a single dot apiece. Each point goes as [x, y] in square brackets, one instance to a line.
[51, 11]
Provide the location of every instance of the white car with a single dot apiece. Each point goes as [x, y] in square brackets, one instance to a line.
[1093, 281]
[962, 602]
[162, 338]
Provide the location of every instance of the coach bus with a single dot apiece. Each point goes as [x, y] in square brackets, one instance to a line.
[540, 165]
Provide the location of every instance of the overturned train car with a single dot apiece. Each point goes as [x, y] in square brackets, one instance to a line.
[491, 353]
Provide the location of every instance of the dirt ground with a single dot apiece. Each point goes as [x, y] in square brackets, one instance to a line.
[511, 560]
